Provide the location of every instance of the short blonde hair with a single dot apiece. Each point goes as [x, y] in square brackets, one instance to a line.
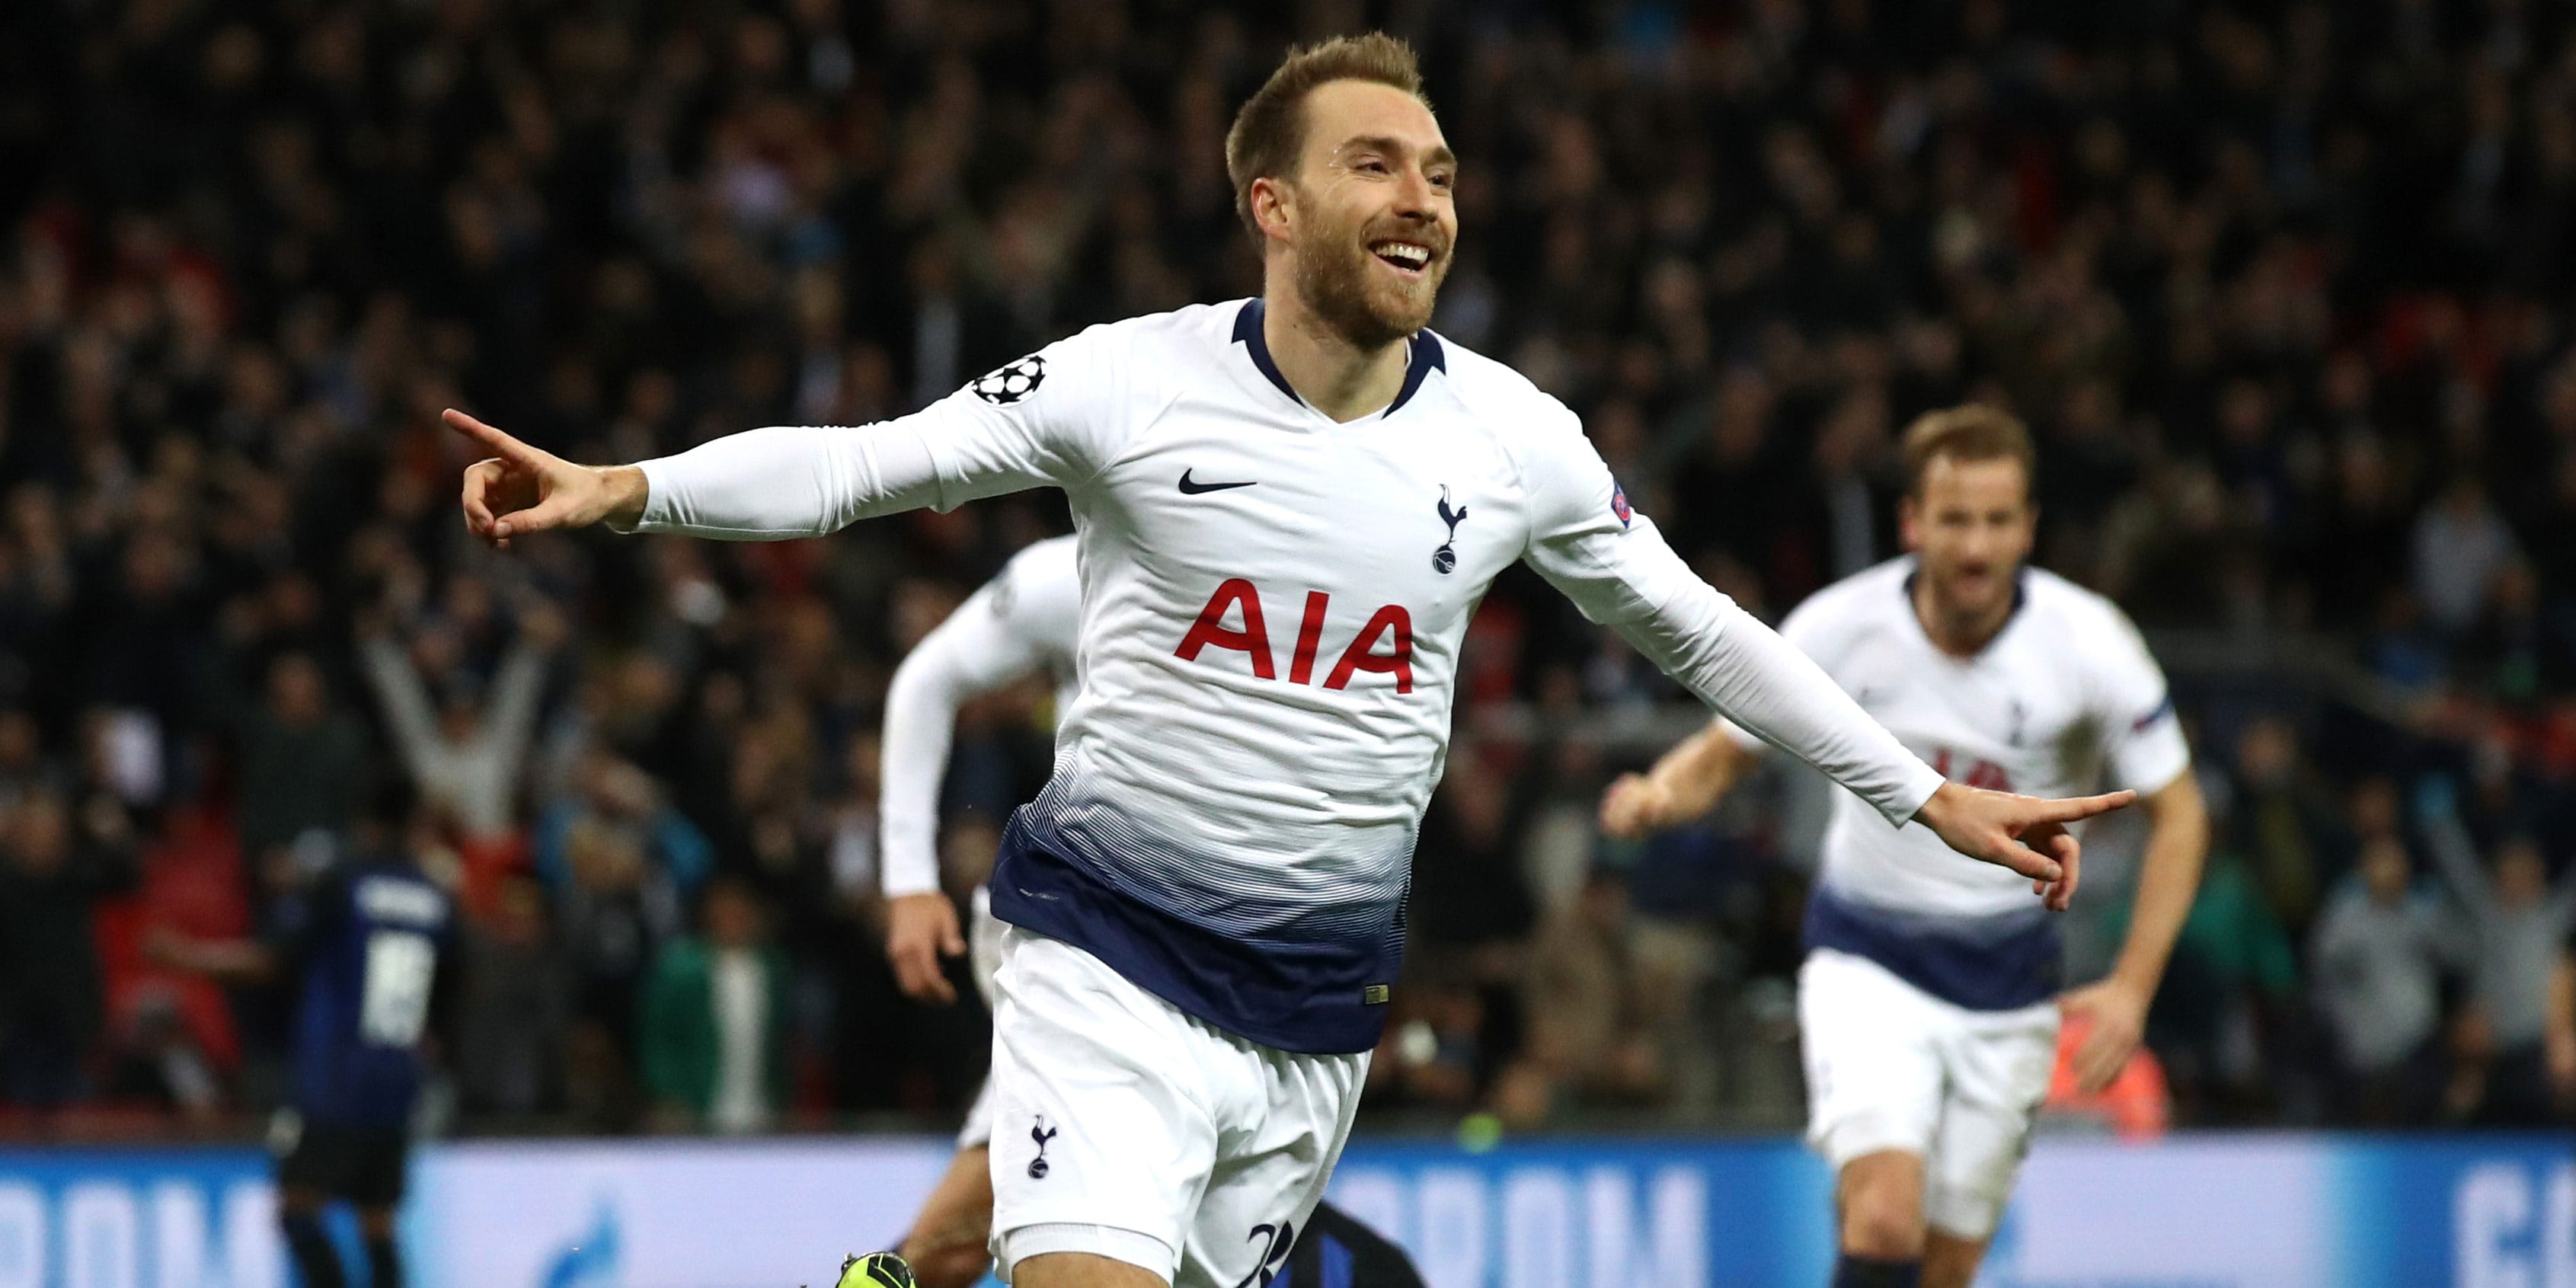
[1270, 130]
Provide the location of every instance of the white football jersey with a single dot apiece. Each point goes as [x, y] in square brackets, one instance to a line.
[1021, 623]
[1272, 606]
[2064, 701]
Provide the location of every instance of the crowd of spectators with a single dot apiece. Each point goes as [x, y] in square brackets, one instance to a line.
[2284, 289]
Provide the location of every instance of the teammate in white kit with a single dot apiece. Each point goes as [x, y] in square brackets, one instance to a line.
[1928, 998]
[1018, 625]
[1286, 509]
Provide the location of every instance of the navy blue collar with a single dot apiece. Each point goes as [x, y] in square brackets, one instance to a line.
[1424, 357]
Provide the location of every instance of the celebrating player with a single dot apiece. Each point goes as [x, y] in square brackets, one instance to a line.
[1927, 995]
[1021, 623]
[1287, 509]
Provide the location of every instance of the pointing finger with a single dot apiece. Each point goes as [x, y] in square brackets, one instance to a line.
[498, 443]
[2080, 807]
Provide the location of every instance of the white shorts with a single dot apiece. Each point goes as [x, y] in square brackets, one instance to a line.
[984, 956]
[1890, 1066]
[1126, 1129]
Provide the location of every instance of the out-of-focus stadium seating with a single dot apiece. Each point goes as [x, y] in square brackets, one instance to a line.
[2284, 290]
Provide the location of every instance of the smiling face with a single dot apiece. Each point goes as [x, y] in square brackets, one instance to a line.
[1364, 226]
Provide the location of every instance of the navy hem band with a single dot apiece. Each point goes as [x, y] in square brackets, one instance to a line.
[1990, 964]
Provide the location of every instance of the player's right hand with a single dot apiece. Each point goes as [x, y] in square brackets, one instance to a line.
[921, 931]
[1634, 806]
[2024, 833]
[521, 489]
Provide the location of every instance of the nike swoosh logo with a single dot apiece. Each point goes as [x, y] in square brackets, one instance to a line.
[1189, 488]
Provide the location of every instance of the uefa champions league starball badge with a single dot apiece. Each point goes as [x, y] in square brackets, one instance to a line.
[1011, 383]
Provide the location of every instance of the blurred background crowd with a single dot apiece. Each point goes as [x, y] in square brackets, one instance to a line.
[2287, 292]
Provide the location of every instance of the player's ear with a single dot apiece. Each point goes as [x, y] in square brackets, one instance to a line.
[1273, 206]
[1909, 517]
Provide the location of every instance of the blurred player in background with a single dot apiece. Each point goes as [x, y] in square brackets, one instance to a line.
[1287, 510]
[367, 948]
[1928, 1000]
[1020, 625]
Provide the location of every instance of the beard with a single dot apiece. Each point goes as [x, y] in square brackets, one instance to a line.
[1954, 599]
[1337, 278]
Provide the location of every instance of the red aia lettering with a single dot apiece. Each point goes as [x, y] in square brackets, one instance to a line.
[1211, 628]
[1238, 595]
[1985, 775]
[1301, 668]
[1362, 655]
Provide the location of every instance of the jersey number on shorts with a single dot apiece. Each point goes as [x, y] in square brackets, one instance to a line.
[396, 1006]
[1278, 1240]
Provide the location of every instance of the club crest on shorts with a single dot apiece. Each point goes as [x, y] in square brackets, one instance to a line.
[1041, 1133]
[1619, 503]
[1009, 384]
[1445, 559]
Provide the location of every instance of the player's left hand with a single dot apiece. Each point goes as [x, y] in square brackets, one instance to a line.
[2117, 1011]
[2024, 833]
[521, 489]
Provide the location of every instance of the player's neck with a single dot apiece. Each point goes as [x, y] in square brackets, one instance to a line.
[1333, 375]
[1958, 632]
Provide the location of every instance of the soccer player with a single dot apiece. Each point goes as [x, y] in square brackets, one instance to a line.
[1286, 509]
[1927, 997]
[368, 946]
[1021, 623]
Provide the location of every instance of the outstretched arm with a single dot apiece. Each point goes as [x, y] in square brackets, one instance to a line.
[1766, 685]
[1686, 783]
[760, 485]
[807, 480]
[1616, 567]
